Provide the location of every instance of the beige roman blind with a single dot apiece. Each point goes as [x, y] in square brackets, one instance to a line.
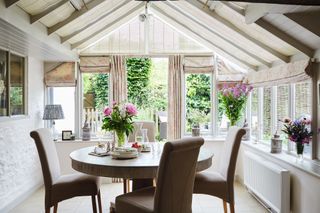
[62, 75]
[95, 64]
[229, 73]
[198, 64]
[282, 74]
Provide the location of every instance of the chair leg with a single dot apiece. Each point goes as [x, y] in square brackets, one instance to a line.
[225, 208]
[99, 202]
[48, 210]
[55, 208]
[231, 204]
[94, 204]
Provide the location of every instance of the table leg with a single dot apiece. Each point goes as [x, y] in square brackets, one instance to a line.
[141, 183]
[126, 185]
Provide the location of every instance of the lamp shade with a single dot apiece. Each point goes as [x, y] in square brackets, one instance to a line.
[53, 112]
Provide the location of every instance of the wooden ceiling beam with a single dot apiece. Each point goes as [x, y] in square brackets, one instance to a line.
[216, 33]
[37, 17]
[10, 3]
[89, 6]
[286, 2]
[108, 13]
[93, 34]
[199, 5]
[308, 20]
[277, 32]
[195, 35]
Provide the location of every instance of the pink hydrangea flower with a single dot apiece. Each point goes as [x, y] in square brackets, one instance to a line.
[131, 109]
[107, 111]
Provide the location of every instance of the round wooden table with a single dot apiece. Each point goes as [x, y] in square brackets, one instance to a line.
[143, 167]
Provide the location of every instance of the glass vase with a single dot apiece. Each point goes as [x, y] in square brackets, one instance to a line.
[121, 138]
[299, 147]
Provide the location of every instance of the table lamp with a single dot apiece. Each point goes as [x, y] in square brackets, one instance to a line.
[53, 112]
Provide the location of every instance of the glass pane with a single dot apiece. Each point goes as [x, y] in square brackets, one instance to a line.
[303, 99]
[148, 89]
[254, 113]
[3, 83]
[282, 108]
[95, 91]
[66, 97]
[266, 135]
[16, 85]
[303, 105]
[198, 102]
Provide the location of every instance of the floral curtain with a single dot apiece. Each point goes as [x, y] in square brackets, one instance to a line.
[282, 74]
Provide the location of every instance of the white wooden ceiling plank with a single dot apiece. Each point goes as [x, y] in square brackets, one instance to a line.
[206, 10]
[10, 3]
[101, 31]
[165, 16]
[37, 17]
[91, 5]
[280, 34]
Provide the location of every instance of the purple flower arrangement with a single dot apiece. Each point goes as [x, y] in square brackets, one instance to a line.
[119, 118]
[234, 99]
[298, 131]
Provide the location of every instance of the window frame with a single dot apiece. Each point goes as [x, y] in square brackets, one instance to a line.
[25, 85]
[291, 109]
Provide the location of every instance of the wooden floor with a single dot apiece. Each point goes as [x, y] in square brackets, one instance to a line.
[245, 203]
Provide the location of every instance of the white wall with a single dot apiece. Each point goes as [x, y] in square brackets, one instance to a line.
[20, 172]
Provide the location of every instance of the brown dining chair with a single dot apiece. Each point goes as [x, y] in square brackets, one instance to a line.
[220, 183]
[175, 179]
[61, 187]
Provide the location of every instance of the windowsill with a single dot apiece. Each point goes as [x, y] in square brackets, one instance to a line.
[309, 166]
[93, 140]
[13, 118]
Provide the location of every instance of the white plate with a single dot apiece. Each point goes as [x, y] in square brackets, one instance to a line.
[122, 155]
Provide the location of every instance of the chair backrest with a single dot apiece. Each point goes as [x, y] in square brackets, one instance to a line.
[230, 153]
[176, 176]
[149, 125]
[47, 154]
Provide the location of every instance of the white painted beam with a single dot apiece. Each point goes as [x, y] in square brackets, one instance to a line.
[186, 14]
[89, 6]
[254, 12]
[196, 36]
[110, 12]
[277, 32]
[10, 3]
[199, 5]
[94, 34]
[37, 17]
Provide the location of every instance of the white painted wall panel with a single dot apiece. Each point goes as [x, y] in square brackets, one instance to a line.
[20, 171]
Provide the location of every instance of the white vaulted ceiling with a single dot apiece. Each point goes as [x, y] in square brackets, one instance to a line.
[253, 36]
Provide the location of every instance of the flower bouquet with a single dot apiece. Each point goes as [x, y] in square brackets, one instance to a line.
[299, 132]
[234, 99]
[119, 119]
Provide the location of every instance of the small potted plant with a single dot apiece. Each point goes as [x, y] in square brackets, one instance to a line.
[197, 117]
[299, 132]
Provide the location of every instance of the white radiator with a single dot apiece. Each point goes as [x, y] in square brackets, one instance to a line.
[268, 181]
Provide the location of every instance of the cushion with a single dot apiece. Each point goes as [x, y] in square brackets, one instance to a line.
[138, 201]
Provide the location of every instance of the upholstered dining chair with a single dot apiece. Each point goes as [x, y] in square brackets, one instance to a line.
[149, 125]
[61, 187]
[175, 179]
[220, 183]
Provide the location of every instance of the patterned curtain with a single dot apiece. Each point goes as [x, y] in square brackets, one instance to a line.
[282, 74]
[118, 78]
[175, 97]
[62, 75]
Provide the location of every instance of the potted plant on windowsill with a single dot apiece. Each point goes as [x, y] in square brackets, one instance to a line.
[299, 132]
[119, 119]
[233, 99]
[197, 117]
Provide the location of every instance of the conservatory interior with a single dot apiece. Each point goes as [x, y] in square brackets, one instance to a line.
[104, 105]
